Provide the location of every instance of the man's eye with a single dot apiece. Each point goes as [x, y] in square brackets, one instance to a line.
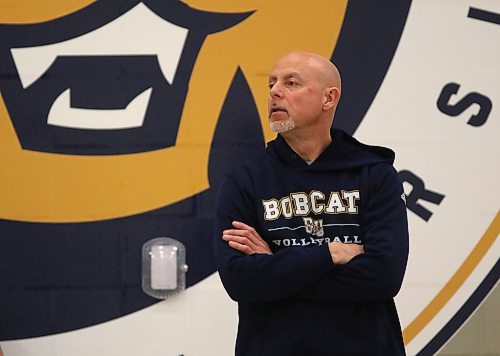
[292, 84]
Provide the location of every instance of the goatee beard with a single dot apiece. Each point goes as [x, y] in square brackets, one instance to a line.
[282, 126]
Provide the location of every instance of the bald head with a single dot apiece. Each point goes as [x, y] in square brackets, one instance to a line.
[325, 71]
[304, 90]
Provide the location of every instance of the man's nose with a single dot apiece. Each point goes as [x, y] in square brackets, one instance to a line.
[275, 91]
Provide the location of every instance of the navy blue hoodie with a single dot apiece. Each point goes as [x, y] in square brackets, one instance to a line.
[297, 301]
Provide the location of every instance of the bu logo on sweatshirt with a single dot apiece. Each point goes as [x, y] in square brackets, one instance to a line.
[314, 227]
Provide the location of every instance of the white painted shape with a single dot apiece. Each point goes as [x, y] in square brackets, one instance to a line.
[137, 32]
[63, 115]
[201, 321]
[441, 45]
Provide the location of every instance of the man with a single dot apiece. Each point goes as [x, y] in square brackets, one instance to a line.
[311, 236]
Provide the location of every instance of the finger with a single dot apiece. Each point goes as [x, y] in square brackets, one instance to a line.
[255, 235]
[242, 248]
[237, 232]
[240, 225]
[243, 234]
[250, 234]
[243, 240]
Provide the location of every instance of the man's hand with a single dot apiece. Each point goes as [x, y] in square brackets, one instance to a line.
[245, 239]
[343, 253]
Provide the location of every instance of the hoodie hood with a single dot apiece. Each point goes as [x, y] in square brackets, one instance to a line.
[344, 152]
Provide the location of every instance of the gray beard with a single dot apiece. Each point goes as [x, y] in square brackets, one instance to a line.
[282, 126]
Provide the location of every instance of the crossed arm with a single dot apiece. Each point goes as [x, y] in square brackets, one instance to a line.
[247, 240]
[251, 272]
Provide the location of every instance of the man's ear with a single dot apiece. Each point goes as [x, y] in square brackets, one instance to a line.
[331, 98]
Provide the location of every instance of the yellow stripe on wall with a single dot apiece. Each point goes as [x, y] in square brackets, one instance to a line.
[455, 282]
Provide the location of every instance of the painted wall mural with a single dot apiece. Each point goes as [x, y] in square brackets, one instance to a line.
[118, 120]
